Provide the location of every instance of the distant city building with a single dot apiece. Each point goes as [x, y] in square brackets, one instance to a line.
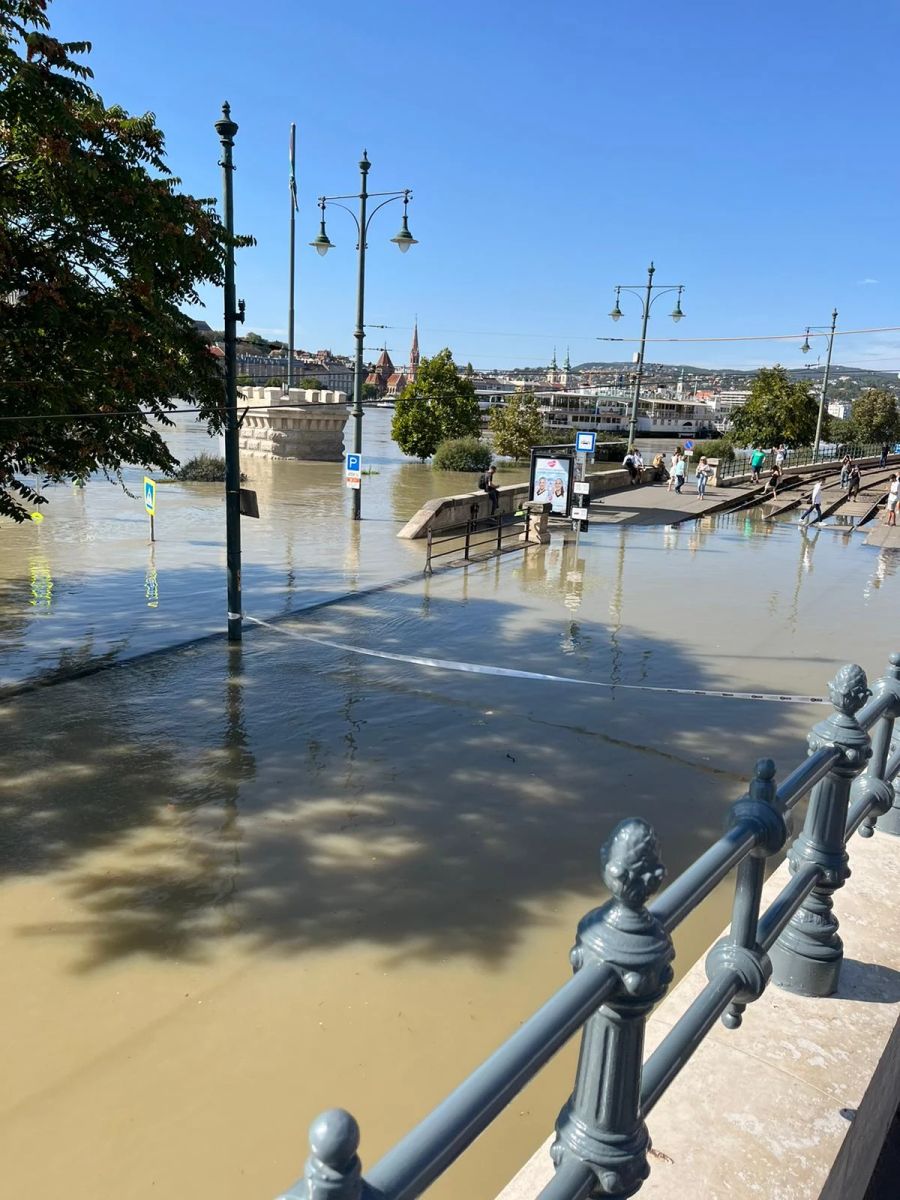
[333, 375]
[840, 409]
[381, 373]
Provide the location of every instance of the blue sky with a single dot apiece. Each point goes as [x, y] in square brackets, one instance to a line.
[749, 149]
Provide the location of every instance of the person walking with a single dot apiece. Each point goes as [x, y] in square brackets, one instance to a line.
[679, 470]
[845, 471]
[704, 471]
[780, 457]
[672, 480]
[757, 458]
[893, 498]
[815, 503]
[853, 481]
[487, 485]
[884, 455]
[639, 465]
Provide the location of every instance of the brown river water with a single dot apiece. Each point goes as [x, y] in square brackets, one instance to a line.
[238, 887]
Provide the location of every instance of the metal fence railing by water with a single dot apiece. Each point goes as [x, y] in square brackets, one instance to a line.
[804, 456]
[473, 540]
[622, 967]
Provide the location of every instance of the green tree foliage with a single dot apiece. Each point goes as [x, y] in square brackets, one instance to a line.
[205, 468]
[100, 250]
[462, 454]
[874, 417]
[437, 405]
[274, 381]
[777, 411]
[517, 425]
[720, 448]
[310, 383]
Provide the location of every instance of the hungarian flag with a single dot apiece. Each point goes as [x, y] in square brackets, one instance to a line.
[293, 178]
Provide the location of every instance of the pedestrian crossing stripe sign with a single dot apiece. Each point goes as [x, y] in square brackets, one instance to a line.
[150, 495]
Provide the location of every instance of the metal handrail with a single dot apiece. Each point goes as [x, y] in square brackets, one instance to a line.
[465, 537]
[803, 456]
[622, 959]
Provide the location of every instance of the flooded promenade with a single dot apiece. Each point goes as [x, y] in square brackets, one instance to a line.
[240, 886]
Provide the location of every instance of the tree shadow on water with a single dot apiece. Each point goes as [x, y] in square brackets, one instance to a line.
[298, 797]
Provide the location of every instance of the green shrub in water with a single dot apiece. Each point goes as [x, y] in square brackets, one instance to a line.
[205, 468]
[720, 448]
[462, 454]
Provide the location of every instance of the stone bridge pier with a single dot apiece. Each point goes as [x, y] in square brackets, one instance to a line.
[300, 424]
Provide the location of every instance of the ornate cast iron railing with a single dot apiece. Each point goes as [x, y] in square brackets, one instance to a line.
[622, 962]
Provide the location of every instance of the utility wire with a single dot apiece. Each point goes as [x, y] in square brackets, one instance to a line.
[593, 337]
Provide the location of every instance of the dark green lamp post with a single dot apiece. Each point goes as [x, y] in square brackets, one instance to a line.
[226, 129]
[647, 300]
[824, 331]
[322, 244]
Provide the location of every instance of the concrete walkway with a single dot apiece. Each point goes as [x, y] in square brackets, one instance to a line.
[652, 504]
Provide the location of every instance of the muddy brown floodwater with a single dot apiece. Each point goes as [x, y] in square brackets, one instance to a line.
[238, 887]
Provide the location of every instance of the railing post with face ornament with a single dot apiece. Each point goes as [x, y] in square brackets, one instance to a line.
[601, 1127]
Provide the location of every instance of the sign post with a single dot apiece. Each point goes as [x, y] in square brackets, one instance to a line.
[353, 471]
[585, 444]
[150, 503]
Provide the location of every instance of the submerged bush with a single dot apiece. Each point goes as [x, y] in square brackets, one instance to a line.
[720, 448]
[205, 468]
[462, 454]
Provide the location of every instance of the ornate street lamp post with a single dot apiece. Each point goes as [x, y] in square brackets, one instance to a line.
[226, 129]
[647, 300]
[322, 243]
[823, 331]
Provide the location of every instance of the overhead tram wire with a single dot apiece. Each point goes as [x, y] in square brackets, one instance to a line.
[582, 337]
[774, 337]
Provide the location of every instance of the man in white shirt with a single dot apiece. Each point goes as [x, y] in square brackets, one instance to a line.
[815, 503]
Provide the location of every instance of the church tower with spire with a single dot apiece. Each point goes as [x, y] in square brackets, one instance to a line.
[414, 353]
[554, 369]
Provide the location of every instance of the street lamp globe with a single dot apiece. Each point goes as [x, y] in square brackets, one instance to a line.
[323, 243]
[404, 239]
[805, 348]
[616, 313]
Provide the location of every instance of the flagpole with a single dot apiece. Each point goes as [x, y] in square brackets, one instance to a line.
[293, 190]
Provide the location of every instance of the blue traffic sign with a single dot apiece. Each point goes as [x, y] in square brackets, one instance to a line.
[688, 445]
[150, 495]
[353, 462]
[585, 442]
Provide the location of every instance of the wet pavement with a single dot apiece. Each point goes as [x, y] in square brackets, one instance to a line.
[86, 585]
[241, 885]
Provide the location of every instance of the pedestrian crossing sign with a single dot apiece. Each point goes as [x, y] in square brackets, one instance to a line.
[150, 495]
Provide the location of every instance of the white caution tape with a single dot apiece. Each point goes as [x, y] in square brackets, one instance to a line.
[448, 664]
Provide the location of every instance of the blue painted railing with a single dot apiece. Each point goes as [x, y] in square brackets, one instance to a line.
[622, 961]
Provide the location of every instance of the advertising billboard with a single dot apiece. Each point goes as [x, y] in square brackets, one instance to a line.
[551, 482]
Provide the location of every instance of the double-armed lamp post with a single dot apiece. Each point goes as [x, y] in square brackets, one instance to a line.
[647, 299]
[234, 312]
[821, 331]
[403, 240]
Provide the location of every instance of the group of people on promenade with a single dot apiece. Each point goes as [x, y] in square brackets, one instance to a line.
[674, 476]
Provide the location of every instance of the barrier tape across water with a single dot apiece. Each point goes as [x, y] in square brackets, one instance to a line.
[449, 664]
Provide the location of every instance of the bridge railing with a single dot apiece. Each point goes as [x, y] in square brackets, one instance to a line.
[622, 967]
[803, 456]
